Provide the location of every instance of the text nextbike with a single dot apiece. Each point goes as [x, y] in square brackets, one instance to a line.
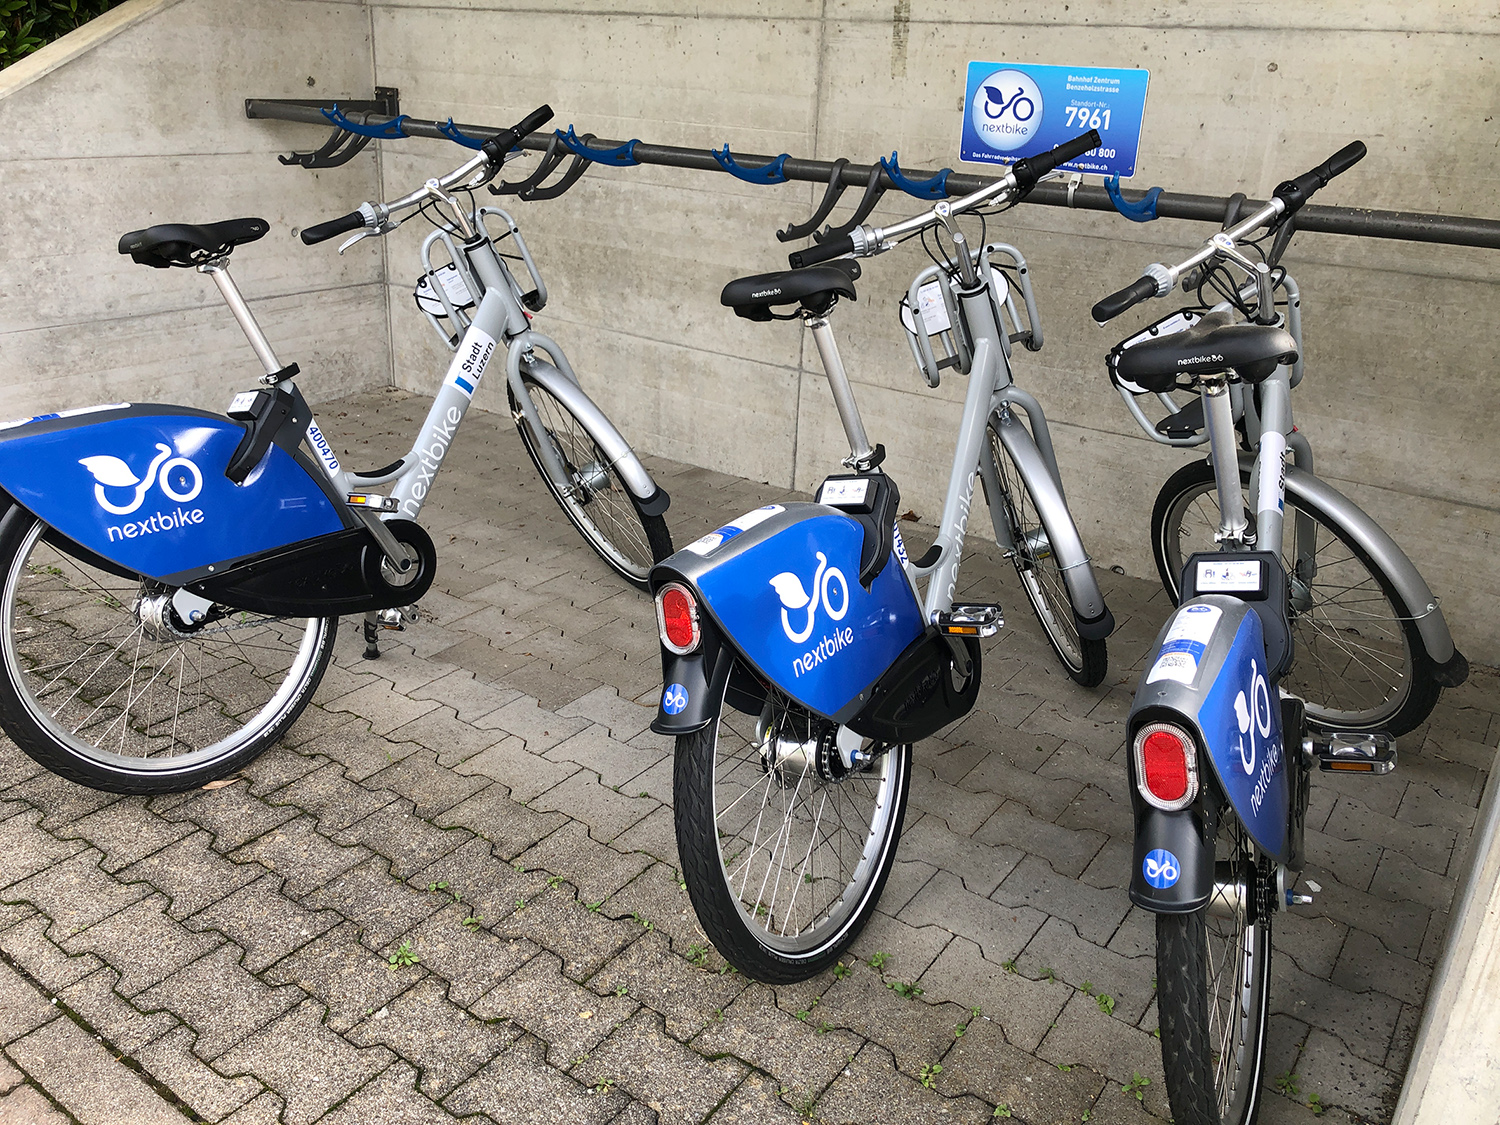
[430, 457]
[161, 521]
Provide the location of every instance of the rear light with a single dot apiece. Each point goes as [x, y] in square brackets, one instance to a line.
[1166, 766]
[677, 618]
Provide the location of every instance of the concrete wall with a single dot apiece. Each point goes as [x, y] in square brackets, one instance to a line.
[138, 118]
[1401, 338]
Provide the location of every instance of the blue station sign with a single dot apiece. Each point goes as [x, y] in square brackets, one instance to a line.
[1014, 110]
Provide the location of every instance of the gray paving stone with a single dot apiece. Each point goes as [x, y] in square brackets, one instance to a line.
[755, 1101]
[219, 999]
[1342, 1079]
[538, 728]
[25, 849]
[1401, 926]
[614, 762]
[486, 660]
[95, 1000]
[484, 883]
[29, 943]
[22, 1008]
[382, 905]
[1365, 1021]
[583, 797]
[1085, 1036]
[526, 775]
[688, 996]
[1311, 942]
[264, 921]
[963, 812]
[654, 1068]
[357, 750]
[432, 788]
[916, 1029]
[398, 833]
[75, 893]
[1364, 964]
[569, 1018]
[170, 1060]
[1094, 913]
[62, 802]
[422, 1026]
[82, 1076]
[870, 1088]
[469, 697]
[350, 979]
[231, 815]
[1069, 851]
[654, 836]
[297, 852]
[1001, 931]
[392, 1098]
[26, 1105]
[469, 959]
[1429, 847]
[1129, 980]
[327, 794]
[984, 1064]
[191, 874]
[802, 1055]
[911, 950]
[1398, 879]
[518, 1086]
[511, 826]
[381, 704]
[980, 866]
[596, 870]
[441, 730]
[621, 718]
[1024, 1008]
[557, 921]
[311, 1068]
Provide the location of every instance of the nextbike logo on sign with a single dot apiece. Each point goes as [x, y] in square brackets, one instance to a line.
[120, 492]
[1006, 110]
[795, 598]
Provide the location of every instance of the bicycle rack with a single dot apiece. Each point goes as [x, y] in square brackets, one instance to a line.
[357, 122]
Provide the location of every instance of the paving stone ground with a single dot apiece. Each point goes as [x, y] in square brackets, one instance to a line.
[452, 893]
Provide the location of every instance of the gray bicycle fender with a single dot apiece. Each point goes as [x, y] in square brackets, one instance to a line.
[1062, 533]
[1385, 554]
[603, 431]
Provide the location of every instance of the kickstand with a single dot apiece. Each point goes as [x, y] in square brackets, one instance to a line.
[372, 636]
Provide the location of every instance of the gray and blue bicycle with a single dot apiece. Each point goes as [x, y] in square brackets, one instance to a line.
[1221, 750]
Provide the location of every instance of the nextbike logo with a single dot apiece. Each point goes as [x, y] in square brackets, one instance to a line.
[1007, 110]
[430, 457]
[1161, 868]
[179, 478]
[1253, 716]
[1200, 359]
[793, 598]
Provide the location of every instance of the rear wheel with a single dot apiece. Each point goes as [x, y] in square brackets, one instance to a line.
[1359, 663]
[1212, 991]
[1086, 660]
[103, 683]
[593, 496]
[786, 843]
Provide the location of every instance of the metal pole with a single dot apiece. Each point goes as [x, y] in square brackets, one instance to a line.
[1410, 226]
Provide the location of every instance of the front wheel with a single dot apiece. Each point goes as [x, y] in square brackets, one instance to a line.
[104, 683]
[593, 496]
[1085, 660]
[1360, 663]
[1212, 990]
[787, 832]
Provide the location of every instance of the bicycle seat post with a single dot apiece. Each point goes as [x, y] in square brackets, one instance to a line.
[218, 270]
[861, 456]
[1219, 413]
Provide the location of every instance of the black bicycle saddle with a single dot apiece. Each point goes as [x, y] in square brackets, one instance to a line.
[181, 244]
[814, 288]
[1217, 343]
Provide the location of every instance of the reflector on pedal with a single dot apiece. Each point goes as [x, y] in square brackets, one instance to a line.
[970, 621]
[373, 501]
[1353, 753]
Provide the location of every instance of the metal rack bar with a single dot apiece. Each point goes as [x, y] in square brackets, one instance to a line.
[1410, 226]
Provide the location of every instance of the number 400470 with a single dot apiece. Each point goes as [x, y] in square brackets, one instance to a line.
[1084, 117]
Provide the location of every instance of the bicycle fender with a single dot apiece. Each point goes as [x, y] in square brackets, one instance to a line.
[692, 685]
[143, 486]
[1384, 552]
[780, 587]
[1208, 671]
[1092, 616]
[602, 430]
[1173, 872]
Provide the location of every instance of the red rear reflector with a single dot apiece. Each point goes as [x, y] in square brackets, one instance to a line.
[677, 618]
[1166, 763]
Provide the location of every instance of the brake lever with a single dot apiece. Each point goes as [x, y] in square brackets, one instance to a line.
[370, 232]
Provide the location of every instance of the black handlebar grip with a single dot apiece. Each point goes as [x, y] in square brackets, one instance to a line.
[1027, 172]
[823, 252]
[1116, 303]
[324, 231]
[533, 121]
[1294, 193]
[501, 143]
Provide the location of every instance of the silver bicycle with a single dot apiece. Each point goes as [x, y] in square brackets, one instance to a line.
[1373, 648]
[478, 307]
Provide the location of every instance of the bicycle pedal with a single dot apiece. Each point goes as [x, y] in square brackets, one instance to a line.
[980, 620]
[1338, 752]
[398, 619]
[373, 501]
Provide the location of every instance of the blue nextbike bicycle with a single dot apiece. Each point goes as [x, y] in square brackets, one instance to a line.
[1221, 752]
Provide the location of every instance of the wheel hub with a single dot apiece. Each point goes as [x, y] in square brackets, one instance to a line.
[834, 753]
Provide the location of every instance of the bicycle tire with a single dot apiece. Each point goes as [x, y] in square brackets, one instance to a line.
[1364, 669]
[72, 639]
[1085, 660]
[1213, 993]
[718, 770]
[608, 516]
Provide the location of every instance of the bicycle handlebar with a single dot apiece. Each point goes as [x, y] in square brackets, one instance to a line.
[867, 241]
[375, 218]
[324, 231]
[1159, 280]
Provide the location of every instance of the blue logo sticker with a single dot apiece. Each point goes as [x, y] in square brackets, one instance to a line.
[674, 699]
[1015, 110]
[1161, 868]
